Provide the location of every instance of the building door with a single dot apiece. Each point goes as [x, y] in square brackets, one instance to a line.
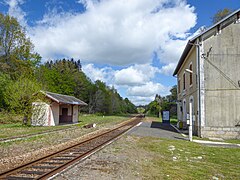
[65, 113]
[65, 118]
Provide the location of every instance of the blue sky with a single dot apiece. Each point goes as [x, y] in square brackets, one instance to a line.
[133, 45]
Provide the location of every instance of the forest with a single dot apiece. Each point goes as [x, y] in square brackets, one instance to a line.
[23, 74]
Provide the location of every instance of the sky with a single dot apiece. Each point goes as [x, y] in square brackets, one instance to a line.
[133, 45]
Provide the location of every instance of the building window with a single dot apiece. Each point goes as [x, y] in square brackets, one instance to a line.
[190, 74]
[196, 79]
[179, 87]
[184, 83]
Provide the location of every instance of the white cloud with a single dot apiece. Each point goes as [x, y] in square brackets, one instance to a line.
[171, 50]
[138, 100]
[105, 74]
[144, 94]
[116, 32]
[129, 76]
[15, 11]
[137, 80]
[148, 90]
[168, 69]
[135, 75]
[88, 4]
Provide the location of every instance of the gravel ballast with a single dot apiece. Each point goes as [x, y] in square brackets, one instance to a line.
[13, 154]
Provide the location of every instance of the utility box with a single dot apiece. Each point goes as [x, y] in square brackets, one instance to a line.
[166, 117]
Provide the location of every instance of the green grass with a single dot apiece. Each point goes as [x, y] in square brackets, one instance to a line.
[155, 118]
[15, 128]
[20, 141]
[173, 120]
[193, 161]
[100, 120]
[234, 141]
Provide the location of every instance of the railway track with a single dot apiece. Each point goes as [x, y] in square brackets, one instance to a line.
[50, 165]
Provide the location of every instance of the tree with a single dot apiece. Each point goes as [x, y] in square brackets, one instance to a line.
[220, 15]
[4, 81]
[16, 50]
[19, 96]
[173, 96]
[130, 107]
[64, 77]
[153, 108]
[163, 103]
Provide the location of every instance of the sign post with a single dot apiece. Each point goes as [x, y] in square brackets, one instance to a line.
[166, 117]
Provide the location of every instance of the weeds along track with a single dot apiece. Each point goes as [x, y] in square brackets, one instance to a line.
[50, 165]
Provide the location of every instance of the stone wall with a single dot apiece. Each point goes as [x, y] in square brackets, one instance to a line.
[221, 132]
[221, 81]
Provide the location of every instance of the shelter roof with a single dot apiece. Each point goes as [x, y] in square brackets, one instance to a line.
[64, 99]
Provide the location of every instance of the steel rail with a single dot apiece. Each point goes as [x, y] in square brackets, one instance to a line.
[76, 152]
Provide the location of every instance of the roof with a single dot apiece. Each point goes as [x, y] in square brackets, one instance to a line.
[191, 41]
[64, 99]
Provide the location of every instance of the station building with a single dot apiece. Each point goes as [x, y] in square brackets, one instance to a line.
[208, 76]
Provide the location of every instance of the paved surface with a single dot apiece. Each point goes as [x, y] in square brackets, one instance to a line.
[218, 144]
[156, 129]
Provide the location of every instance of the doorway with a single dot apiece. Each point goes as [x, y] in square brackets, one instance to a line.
[65, 118]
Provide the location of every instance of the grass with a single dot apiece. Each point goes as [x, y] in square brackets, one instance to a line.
[175, 159]
[15, 128]
[234, 141]
[100, 120]
[20, 141]
[173, 120]
[8, 118]
[154, 118]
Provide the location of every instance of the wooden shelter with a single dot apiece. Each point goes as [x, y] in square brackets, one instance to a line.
[57, 109]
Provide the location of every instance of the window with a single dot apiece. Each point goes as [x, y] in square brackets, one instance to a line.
[196, 78]
[190, 74]
[184, 83]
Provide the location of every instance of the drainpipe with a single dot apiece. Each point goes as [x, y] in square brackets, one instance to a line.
[199, 88]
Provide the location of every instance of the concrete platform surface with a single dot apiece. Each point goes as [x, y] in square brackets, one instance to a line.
[156, 129]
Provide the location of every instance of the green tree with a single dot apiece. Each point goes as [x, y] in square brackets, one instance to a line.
[19, 96]
[221, 14]
[153, 108]
[163, 103]
[131, 108]
[4, 81]
[65, 77]
[173, 96]
[16, 50]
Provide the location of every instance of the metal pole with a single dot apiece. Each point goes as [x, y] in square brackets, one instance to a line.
[190, 121]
